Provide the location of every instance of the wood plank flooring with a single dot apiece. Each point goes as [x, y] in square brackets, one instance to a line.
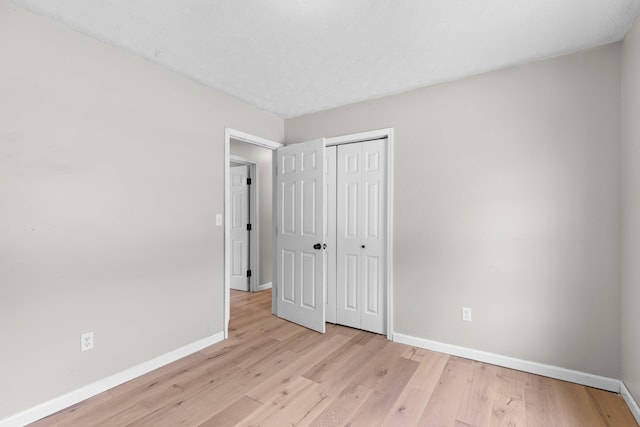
[274, 373]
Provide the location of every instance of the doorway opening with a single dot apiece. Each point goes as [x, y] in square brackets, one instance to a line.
[245, 223]
[255, 153]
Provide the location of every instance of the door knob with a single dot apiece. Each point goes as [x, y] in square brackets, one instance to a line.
[317, 246]
[362, 246]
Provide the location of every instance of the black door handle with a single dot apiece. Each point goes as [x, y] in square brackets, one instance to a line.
[317, 246]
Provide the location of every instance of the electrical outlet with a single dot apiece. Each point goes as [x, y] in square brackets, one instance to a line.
[86, 341]
[218, 219]
[466, 314]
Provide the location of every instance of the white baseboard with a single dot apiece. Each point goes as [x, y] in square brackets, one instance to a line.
[604, 383]
[54, 405]
[76, 396]
[264, 286]
[631, 403]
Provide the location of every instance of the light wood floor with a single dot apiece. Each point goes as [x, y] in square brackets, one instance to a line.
[274, 373]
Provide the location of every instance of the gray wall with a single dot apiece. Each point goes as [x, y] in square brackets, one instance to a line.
[506, 201]
[111, 173]
[262, 156]
[631, 212]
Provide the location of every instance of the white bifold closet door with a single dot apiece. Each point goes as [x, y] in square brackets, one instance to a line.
[361, 234]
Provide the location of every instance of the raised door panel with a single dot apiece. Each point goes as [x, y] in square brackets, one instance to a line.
[287, 219]
[288, 275]
[351, 279]
[309, 280]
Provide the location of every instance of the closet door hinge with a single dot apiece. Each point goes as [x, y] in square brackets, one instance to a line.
[248, 227]
[248, 273]
[248, 181]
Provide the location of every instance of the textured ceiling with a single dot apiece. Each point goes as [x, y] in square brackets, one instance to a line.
[293, 57]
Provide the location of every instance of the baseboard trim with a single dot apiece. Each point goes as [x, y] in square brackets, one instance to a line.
[264, 286]
[604, 383]
[54, 405]
[631, 403]
[76, 396]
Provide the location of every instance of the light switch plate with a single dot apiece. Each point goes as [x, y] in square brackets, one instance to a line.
[466, 314]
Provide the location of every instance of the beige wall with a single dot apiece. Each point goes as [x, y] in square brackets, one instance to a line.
[506, 201]
[262, 156]
[507, 194]
[111, 173]
[631, 211]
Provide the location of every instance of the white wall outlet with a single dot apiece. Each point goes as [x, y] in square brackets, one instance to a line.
[218, 220]
[86, 341]
[466, 314]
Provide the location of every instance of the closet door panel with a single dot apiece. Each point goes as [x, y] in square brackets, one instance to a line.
[371, 211]
[352, 210]
[373, 315]
[361, 234]
[351, 274]
[349, 235]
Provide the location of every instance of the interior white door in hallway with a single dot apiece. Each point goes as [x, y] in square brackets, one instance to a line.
[300, 231]
[361, 236]
[239, 232]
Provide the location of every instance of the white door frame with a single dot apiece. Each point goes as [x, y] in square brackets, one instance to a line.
[254, 220]
[366, 136]
[230, 134]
